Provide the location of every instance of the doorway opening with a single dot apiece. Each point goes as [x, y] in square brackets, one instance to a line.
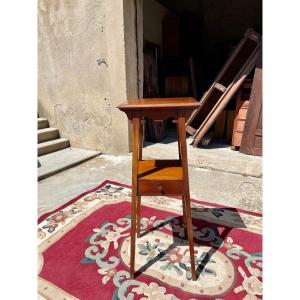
[185, 45]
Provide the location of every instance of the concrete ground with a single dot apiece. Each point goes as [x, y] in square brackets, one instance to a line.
[217, 175]
[217, 156]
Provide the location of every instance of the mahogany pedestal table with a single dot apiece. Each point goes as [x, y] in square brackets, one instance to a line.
[159, 177]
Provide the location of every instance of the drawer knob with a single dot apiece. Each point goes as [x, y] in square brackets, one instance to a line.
[161, 189]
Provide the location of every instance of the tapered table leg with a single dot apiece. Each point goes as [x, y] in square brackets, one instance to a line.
[187, 204]
[141, 139]
[179, 150]
[140, 157]
[136, 122]
[184, 212]
[183, 203]
[138, 217]
[190, 233]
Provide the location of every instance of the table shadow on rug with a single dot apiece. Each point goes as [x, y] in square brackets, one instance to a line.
[237, 222]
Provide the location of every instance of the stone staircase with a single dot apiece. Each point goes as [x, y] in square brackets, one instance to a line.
[49, 139]
[55, 153]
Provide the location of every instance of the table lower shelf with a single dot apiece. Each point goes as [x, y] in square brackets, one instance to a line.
[160, 177]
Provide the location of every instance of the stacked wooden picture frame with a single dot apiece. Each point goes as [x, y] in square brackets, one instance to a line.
[226, 84]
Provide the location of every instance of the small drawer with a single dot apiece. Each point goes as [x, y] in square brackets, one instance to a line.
[160, 188]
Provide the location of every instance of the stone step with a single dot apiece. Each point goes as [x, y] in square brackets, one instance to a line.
[52, 146]
[42, 123]
[62, 160]
[47, 134]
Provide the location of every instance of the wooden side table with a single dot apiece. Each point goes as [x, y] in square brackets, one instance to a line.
[159, 177]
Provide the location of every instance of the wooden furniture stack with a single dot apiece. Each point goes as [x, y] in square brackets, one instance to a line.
[159, 177]
[227, 83]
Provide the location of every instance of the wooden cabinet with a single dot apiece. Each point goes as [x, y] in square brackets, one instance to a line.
[242, 104]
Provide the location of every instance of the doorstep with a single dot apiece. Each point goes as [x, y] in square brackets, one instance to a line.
[53, 163]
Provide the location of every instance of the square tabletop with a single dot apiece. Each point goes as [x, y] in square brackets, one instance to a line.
[159, 103]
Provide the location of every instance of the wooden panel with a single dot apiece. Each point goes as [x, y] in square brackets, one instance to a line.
[258, 142]
[151, 58]
[160, 177]
[158, 103]
[154, 130]
[237, 63]
[206, 108]
[160, 169]
[243, 113]
[176, 86]
[237, 138]
[242, 104]
[220, 125]
[159, 108]
[245, 103]
[240, 126]
[229, 124]
[252, 138]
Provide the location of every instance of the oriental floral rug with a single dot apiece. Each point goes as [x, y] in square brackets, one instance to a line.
[84, 249]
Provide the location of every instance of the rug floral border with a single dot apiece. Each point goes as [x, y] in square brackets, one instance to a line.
[45, 215]
[53, 225]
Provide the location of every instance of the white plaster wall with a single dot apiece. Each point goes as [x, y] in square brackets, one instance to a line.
[82, 72]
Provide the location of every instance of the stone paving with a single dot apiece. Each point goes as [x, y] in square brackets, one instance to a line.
[210, 180]
[217, 156]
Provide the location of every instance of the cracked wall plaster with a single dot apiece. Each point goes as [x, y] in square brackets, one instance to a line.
[82, 72]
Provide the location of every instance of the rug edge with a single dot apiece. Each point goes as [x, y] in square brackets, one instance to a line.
[47, 214]
[257, 214]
